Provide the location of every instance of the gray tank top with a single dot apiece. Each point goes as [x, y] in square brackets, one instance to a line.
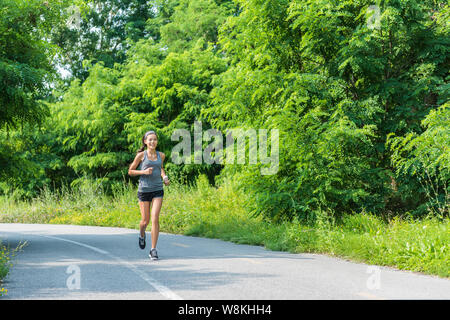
[150, 182]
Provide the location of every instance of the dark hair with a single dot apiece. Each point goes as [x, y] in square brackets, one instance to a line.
[145, 137]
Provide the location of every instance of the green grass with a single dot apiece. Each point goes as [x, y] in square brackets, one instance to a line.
[4, 266]
[221, 213]
[6, 254]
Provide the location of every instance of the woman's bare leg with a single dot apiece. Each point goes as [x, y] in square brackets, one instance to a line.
[156, 208]
[144, 206]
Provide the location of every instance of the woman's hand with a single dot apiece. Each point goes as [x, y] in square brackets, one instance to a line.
[147, 171]
[166, 180]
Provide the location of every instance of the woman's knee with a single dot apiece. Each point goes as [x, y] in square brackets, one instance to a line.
[155, 223]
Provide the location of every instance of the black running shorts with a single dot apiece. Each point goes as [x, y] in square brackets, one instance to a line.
[148, 196]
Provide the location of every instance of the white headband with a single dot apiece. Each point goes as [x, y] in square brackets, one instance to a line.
[149, 132]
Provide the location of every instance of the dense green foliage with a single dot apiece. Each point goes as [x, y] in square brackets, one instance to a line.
[26, 71]
[360, 108]
[335, 88]
[102, 30]
[25, 59]
[427, 157]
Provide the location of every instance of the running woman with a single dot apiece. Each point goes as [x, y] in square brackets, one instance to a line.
[150, 191]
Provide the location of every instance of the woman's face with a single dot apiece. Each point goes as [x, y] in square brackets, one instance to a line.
[151, 141]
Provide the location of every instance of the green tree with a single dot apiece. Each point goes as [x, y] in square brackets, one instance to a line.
[100, 122]
[26, 71]
[106, 30]
[335, 88]
[89, 123]
[426, 157]
[193, 20]
[26, 65]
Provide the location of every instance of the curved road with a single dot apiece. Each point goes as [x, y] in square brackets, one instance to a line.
[79, 262]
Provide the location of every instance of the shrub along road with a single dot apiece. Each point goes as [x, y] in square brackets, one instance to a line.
[80, 262]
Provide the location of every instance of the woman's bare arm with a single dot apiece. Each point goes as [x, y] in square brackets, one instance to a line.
[132, 169]
[163, 172]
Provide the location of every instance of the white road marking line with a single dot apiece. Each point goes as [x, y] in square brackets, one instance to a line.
[166, 292]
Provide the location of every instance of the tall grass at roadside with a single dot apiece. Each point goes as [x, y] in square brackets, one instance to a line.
[6, 253]
[202, 210]
[4, 266]
[86, 205]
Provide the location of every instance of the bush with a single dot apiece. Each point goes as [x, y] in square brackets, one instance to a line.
[425, 158]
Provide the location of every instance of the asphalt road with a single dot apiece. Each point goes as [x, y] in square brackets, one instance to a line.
[78, 262]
